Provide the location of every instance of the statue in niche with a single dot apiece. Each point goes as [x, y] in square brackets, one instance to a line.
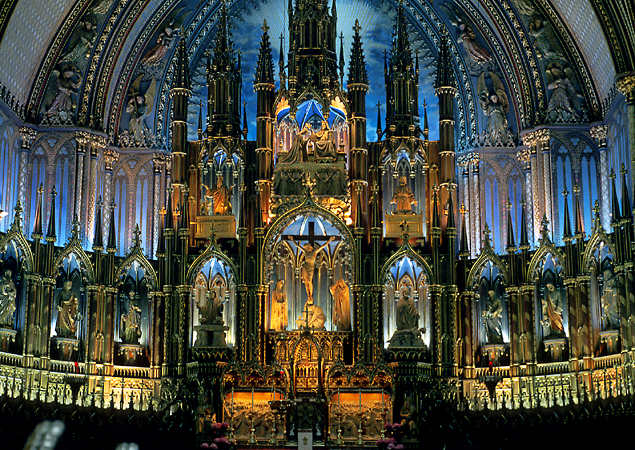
[552, 311]
[297, 153]
[407, 314]
[130, 322]
[207, 201]
[493, 318]
[608, 301]
[308, 266]
[8, 294]
[221, 196]
[210, 308]
[495, 106]
[67, 312]
[342, 305]
[323, 141]
[279, 313]
[403, 199]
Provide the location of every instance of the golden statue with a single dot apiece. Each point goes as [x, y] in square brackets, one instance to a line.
[207, 201]
[403, 198]
[308, 266]
[130, 323]
[279, 314]
[209, 308]
[8, 294]
[552, 310]
[312, 316]
[67, 312]
[221, 196]
[407, 314]
[342, 305]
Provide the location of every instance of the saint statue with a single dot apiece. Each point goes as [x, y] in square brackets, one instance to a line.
[279, 313]
[608, 301]
[210, 308]
[403, 199]
[221, 196]
[207, 201]
[342, 305]
[407, 314]
[308, 266]
[312, 316]
[552, 311]
[67, 312]
[297, 153]
[323, 141]
[8, 294]
[493, 318]
[130, 322]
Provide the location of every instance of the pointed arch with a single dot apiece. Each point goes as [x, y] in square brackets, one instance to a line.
[546, 248]
[19, 241]
[75, 247]
[210, 252]
[407, 250]
[487, 255]
[136, 255]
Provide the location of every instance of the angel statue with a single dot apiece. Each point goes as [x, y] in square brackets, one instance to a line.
[495, 106]
[559, 108]
[67, 84]
[140, 108]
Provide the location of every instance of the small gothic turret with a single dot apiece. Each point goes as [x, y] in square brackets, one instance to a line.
[112, 233]
[511, 243]
[401, 83]
[523, 244]
[566, 229]
[224, 81]
[464, 249]
[37, 221]
[180, 94]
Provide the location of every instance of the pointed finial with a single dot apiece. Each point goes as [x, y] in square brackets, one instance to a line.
[596, 215]
[17, 217]
[112, 233]
[357, 28]
[37, 222]
[98, 241]
[464, 249]
[544, 228]
[136, 237]
[486, 236]
[265, 27]
[51, 234]
[404, 230]
[212, 235]
[378, 120]
[510, 226]
[75, 229]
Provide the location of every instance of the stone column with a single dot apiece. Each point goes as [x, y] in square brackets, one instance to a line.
[98, 143]
[28, 136]
[543, 138]
[464, 202]
[110, 158]
[475, 214]
[158, 163]
[524, 157]
[626, 85]
[599, 133]
[83, 140]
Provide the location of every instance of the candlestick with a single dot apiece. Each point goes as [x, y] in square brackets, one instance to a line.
[252, 398]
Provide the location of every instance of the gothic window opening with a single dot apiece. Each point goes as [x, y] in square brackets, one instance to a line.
[589, 183]
[132, 317]
[38, 178]
[64, 185]
[12, 296]
[492, 317]
[552, 316]
[492, 207]
[120, 198]
[143, 206]
[564, 180]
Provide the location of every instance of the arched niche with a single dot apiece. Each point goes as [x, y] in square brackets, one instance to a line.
[491, 311]
[133, 315]
[406, 302]
[14, 263]
[404, 176]
[552, 319]
[220, 170]
[213, 302]
[69, 308]
[308, 253]
[604, 295]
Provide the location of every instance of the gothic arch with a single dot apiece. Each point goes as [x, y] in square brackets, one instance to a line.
[15, 236]
[136, 255]
[487, 255]
[210, 252]
[407, 250]
[546, 248]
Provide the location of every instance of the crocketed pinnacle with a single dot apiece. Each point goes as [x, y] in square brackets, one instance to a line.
[463, 246]
[51, 227]
[401, 64]
[357, 65]
[511, 243]
[445, 74]
[579, 219]
[37, 221]
[626, 200]
[182, 73]
[615, 204]
[112, 232]
[524, 237]
[98, 240]
[567, 221]
[451, 222]
[264, 66]
[223, 58]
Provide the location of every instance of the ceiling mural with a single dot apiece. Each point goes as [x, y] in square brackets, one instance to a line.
[503, 78]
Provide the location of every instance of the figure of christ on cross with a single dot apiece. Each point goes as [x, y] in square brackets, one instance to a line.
[310, 255]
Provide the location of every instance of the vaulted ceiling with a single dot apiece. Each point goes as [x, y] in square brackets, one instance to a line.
[113, 51]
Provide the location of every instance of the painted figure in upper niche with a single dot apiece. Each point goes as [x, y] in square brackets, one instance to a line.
[407, 314]
[221, 196]
[552, 311]
[67, 311]
[342, 305]
[493, 318]
[495, 106]
[8, 295]
[279, 313]
[403, 198]
[130, 323]
[608, 302]
[308, 266]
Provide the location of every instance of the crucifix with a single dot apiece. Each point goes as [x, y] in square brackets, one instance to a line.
[310, 249]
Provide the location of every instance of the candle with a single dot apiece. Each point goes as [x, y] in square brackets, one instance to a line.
[338, 397]
[360, 400]
[252, 398]
[273, 391]
[232, 400]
